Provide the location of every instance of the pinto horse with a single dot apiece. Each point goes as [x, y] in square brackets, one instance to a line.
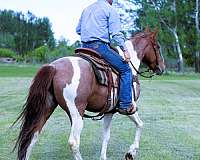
[70, 83]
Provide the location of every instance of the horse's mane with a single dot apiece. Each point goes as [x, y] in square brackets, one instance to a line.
[139, 35]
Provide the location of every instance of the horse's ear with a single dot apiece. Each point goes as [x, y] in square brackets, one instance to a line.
[154, 33]
[156, 30]
[147, 29]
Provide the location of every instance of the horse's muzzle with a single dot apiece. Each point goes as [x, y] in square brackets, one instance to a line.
[158, 71]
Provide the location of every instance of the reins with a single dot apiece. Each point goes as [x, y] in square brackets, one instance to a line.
[141, 73]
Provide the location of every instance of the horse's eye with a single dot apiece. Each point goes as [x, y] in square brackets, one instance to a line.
[157, 46]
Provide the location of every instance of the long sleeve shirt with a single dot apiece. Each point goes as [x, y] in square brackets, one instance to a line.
[100, 21]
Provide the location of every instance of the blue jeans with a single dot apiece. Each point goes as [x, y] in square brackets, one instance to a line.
[114, 59]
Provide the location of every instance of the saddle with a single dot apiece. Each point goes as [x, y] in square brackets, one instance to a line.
[105, 75]
[102, 69]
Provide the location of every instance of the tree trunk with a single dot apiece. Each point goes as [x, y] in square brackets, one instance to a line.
[197, 62]
[197, 55]
[173, 30]
[180, 55]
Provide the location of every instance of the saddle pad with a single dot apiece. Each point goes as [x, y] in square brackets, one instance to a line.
[98, 68]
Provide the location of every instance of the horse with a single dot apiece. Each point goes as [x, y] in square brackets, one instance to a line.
[70, 83]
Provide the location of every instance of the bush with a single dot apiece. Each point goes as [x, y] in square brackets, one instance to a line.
[60, 51]
[7, 53]
[38, 55]
[44, 55]
[19, 58]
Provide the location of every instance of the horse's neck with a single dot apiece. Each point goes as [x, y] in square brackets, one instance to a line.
[134, 59]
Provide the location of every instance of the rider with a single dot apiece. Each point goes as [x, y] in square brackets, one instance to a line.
[97, 24]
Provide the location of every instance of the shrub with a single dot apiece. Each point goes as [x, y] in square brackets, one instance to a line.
[19, 58]
[44, 55]
[7, 53]
[60, 51]
[38, 55]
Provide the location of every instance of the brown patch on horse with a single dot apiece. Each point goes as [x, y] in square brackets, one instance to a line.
[92, 95]
[140, 41]
[98, 98]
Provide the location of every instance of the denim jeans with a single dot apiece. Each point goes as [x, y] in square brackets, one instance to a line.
[114, 59]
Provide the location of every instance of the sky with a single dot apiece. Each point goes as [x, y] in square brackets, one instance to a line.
[63, 14]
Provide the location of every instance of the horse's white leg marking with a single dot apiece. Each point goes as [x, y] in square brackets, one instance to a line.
[106, 134]
[139, 124]
[30, 147]
[70, 93]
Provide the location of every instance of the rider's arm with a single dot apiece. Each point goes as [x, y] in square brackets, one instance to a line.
[78, 28]
[114, 28]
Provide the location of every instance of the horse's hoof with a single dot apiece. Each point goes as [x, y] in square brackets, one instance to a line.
[128, 156]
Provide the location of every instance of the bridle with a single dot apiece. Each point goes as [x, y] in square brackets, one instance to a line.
[156, 52]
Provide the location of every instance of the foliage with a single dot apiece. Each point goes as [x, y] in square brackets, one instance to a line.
[44, 54]
[24, 32]
[7, 53]
[31, 38]
[38, 55]
[7, 40]
[60, 51]
[165, 15]
[76, 44]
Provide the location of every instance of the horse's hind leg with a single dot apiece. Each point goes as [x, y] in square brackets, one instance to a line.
[74, 138]
[106, 135]
[76, 123]
[135, 146]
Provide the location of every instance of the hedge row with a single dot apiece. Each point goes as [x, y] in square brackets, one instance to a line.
[40, 55]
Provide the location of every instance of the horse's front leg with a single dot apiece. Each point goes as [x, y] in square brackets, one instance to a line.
[131, 154]
[106, 135]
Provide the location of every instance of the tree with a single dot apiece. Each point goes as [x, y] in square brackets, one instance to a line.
[6, 40]
[28, 31]
[197, 55]
[175, 21]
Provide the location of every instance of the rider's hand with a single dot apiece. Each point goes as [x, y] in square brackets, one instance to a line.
[127, 56]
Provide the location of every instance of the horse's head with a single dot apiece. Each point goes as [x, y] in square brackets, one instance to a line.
[149, 51]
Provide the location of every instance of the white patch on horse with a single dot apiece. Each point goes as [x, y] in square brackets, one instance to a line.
[133, 54]
[135, 91]
[70, 91]
[30, 147]
[70, 94]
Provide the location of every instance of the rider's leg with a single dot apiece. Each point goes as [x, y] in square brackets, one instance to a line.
[113, 58]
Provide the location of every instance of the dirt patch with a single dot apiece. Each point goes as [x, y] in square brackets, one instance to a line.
[7, 60]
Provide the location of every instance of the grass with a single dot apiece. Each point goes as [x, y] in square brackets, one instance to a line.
[16, 70]
[28, 70]
[169, 108]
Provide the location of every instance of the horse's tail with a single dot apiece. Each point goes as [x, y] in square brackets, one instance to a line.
[34, 108]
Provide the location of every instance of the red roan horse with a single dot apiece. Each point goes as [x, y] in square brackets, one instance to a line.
[70, 83]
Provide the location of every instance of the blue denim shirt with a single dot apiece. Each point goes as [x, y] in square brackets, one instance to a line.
[100, 21]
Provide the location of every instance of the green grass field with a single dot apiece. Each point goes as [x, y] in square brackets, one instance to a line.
[168, 105]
